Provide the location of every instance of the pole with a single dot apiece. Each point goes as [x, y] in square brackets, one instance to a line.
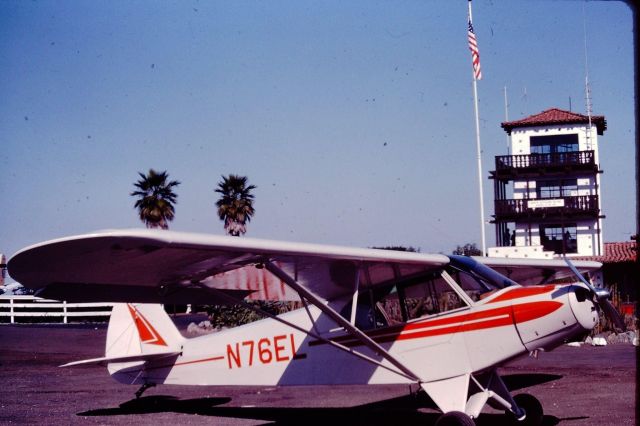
[479, 153]
[506, 119]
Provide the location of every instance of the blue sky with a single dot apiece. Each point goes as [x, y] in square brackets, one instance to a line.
[354, 119]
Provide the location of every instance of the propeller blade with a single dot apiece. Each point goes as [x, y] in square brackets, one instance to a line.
[601, 296]
[597, 293]
[614, 316]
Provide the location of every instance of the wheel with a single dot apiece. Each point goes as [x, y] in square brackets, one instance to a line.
[532, 408]
[455, 418]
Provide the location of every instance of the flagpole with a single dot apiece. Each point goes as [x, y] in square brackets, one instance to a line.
[506, 119]
[479, 151]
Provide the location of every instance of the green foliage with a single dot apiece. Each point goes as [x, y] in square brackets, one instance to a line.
[235, 206]
[399, 248]
[234, 315]
[156, 199]
[468, 249]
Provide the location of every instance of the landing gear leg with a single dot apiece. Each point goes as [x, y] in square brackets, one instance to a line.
[143, 388]
[532, 410]
[524, 409]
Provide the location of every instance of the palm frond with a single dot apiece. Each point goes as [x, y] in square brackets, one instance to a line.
[235, 205]
[156, 199]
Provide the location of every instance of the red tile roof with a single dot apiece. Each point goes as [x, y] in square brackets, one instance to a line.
[556, 116]
[616, 253]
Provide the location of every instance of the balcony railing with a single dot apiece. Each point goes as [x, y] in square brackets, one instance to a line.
[557, 161]
[539, 208]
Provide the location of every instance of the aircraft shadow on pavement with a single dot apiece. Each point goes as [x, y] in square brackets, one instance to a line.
[515, 382]
[400, 410]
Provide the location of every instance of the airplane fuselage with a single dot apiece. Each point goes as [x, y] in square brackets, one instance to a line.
[508, 324]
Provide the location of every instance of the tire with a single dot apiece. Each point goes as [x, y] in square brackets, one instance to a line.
[455, 418]
[532, 408]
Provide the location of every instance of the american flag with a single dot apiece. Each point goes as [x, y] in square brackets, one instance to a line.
[475, 53]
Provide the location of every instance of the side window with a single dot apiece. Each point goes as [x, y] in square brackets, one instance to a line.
[414, 298]
[389, 308]
[432, 295]
[371, 314]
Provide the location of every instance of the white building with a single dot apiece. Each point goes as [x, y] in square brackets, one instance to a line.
[548, 190]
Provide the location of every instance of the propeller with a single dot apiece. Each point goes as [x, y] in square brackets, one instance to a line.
[602, 297]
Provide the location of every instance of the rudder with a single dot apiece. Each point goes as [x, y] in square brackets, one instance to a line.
[139, 329]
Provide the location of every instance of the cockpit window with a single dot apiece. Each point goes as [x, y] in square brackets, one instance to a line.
[476, 279]
[423, 294]
[429, 296]
[473, 285]
[404, 300]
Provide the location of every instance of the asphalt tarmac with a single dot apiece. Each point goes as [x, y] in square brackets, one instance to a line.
[576, 386]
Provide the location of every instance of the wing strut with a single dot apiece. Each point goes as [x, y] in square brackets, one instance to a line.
[233, 300]
[335, 316]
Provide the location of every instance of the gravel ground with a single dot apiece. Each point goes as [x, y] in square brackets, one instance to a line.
[576, 386]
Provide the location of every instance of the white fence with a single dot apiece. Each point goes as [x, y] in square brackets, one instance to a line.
[30, 306]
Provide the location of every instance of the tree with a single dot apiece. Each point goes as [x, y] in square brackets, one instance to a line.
[399, 248]
[235, 206]
[156, 199]
[468, 249]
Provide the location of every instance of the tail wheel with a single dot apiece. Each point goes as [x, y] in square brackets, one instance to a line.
[532, 408]
[455, 418]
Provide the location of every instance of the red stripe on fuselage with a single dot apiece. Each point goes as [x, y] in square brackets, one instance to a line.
[179, 364]
[491, 318]
[520, 292]
[529, 311]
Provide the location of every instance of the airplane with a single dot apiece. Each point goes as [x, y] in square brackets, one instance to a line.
[367, 316]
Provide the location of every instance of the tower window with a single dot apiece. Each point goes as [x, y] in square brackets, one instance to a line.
[554, 144]
[558, 238]
[557, 188]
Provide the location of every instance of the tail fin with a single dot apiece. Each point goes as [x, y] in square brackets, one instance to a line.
[141, 329]
[139, 334]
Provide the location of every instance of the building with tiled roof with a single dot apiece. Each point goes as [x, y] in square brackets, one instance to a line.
[626, 251]
[547, 192]
[555, 116]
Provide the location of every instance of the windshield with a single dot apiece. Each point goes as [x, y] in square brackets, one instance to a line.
[476, 279]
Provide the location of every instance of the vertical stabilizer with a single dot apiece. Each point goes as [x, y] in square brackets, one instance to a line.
[138, 329]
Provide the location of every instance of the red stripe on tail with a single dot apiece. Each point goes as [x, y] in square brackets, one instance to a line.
[147, 333]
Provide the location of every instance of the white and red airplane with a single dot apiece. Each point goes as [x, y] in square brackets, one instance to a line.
[369, 316]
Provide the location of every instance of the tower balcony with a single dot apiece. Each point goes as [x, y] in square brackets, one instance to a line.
[543, 209]
[529, 165]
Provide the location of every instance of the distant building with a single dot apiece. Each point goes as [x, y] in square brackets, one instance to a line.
[620, 273]
[547, 197]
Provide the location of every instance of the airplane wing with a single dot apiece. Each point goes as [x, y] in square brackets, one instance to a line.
[158, 266]
[536, 271]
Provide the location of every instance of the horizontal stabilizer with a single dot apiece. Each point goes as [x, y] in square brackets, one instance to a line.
[127, 358]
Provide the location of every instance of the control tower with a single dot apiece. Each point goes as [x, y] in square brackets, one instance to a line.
[547, 198]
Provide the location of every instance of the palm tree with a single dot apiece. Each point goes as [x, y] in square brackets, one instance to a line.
[235, 206]
[156, 199]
